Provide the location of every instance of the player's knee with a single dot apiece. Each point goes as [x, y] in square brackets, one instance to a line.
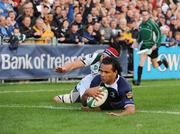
[155, 64]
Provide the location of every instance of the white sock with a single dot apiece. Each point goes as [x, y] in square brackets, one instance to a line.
[65, 98]
[69, 98]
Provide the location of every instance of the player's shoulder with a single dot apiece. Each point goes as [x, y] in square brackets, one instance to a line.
[90, 59]
[90, 56]
[123, 84]
[96, 81]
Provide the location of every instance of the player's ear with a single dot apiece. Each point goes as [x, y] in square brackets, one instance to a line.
[116, 72]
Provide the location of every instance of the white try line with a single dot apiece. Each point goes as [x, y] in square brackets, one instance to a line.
[79, 108]
[41, 107]
[159, 112]
[31, 91]
[155, 85]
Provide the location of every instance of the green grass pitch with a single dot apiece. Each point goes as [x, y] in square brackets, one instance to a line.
[29, 109]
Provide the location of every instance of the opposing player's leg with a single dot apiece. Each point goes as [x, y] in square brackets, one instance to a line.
[154, 57]
[143, 57]
[77, 92]
[156, 63]
[72, 97]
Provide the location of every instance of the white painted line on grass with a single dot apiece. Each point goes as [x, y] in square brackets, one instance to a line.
[79, 108]
[31, 91]
[159, 112]
[159, 85]
[41, 107]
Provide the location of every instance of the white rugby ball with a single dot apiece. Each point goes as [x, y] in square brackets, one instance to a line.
[91, 102]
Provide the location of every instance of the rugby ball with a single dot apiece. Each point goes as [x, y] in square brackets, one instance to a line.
[91, 102]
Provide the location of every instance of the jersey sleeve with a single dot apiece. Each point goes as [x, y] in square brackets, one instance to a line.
[90, 59]
[127, 98]
[126, 93]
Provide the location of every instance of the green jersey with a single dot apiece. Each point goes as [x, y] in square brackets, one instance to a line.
[149, 34]
[92, 60]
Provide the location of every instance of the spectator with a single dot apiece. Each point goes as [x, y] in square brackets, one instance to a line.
[89, 20]
[12, 16]
[172, 25]
[17, 33]
[74, 35]
[105, 30]
[62, 17]
[4, 29]
[95, 14]
[125, 35]
[133, 26]
[78, 21]
[114, 28]
[57, 17]
[49, 23]
[27, 11]
[44, 35]
[45, 10]
[166, 39]
[89, 8]
[162, 20]
[177, 38]
[64, 33]
[5, 7]
[129, 15]
[89, 36]
[9, 25]
[97, 32]
[168, 16]
[26, 28]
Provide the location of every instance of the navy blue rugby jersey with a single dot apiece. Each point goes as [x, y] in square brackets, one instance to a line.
[119, 93]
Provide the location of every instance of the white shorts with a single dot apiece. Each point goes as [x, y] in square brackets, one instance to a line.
[84, 84]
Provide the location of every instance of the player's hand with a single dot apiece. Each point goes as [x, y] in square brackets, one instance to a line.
[95, 92]
[61, 70]
[135, 44]
[87, 109]
[113, 114]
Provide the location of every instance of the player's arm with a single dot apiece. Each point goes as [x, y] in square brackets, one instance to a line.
[129, 109]
[78, 63]
[128, 104]
[157, 32]
[71, 66]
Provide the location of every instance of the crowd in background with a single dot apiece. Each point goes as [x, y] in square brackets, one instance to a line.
[87, 21]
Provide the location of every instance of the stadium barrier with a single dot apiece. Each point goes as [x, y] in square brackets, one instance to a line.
[172, 54]
[40, 61]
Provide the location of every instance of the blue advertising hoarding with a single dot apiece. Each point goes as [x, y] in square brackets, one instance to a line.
[172, 54]
[40, 61]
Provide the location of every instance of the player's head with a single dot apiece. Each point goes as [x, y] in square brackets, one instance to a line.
[109, 52]
[145, 15]
[109, 70]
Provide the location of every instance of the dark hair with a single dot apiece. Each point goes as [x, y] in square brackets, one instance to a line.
[115, 44]
[144, 11]
[116, 66]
